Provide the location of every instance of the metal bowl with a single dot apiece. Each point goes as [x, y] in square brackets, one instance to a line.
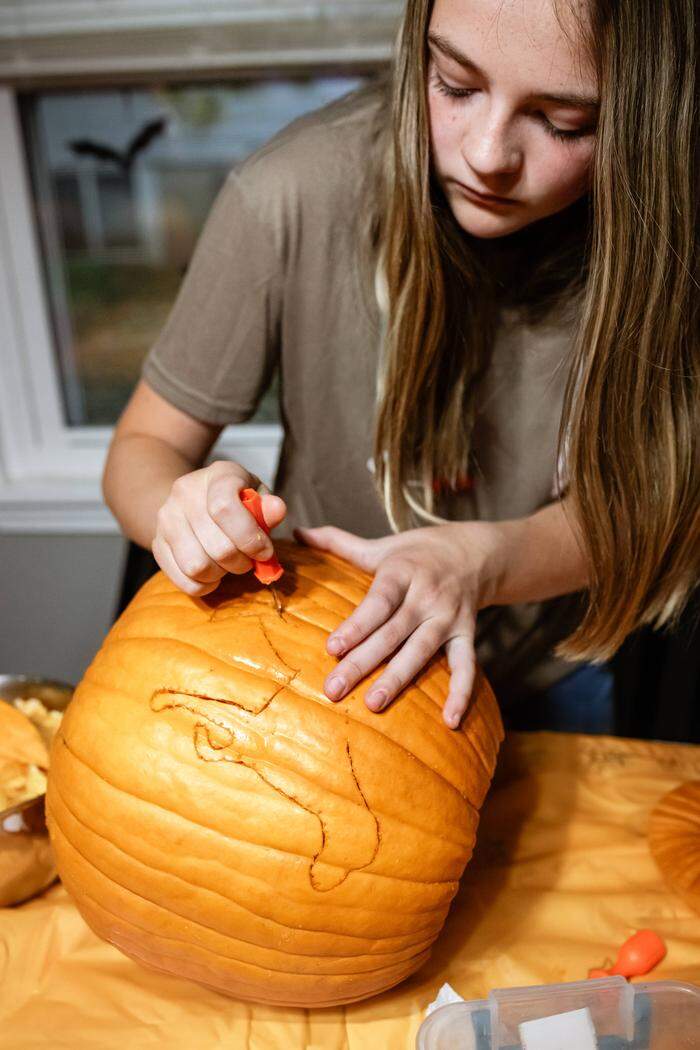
[26, 861]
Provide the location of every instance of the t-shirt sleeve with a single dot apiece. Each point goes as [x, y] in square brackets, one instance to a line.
[218, 350]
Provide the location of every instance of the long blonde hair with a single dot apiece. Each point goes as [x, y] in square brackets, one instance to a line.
[630, 427]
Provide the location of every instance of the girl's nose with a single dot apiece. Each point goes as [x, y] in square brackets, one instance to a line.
[489, 149]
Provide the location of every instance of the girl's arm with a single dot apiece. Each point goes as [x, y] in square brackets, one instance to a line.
[430, 583]
[535, 558]
[154, 444]
[190, 516]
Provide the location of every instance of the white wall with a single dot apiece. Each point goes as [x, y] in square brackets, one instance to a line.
[57, 601]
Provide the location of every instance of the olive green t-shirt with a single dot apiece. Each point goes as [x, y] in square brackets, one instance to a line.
[276, 282]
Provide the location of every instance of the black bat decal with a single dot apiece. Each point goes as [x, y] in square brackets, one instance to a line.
[123, 159]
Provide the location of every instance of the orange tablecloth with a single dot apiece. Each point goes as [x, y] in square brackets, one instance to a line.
[561, 877]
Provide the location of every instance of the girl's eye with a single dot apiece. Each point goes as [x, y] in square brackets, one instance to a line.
[451, 92]
[560, 134]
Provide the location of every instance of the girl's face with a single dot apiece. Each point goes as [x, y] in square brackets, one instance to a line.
[513, 105]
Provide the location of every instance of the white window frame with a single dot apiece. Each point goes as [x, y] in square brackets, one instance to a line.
[49, 471]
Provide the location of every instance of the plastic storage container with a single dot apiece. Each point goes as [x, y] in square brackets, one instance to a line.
[661, 1015]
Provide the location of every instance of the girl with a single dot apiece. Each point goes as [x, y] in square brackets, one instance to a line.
[477, 283]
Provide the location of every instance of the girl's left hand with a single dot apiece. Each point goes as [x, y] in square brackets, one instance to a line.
[429, 584]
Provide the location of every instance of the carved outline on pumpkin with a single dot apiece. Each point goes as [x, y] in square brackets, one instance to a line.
[349, 718]
[318, 882]
[229, 900]
[272, 607]
[416, 684]
[485, 760]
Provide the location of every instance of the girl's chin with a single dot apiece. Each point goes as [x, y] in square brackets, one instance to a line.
[487, 223]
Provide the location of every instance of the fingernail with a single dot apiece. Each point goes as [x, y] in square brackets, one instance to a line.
[376, 700]
[453, 718]
[335, 687]
[335, 646]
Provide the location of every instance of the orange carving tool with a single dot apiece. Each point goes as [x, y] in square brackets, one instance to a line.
[637, 956]
[270, 570]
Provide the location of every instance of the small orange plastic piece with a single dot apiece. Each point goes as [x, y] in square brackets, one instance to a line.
[268, 571]
[637, 956]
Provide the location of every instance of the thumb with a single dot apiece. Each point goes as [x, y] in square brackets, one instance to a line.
[274, 510]
[346, 545]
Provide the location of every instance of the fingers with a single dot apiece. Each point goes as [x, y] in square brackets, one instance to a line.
[462, 662]
[409, 661]
[421, 646]
[381, 602]
[166, 560]
[274, 510]
[355, 549]
[365, 657]
[223, 505]
[204, 531]
[222, 551]
[192, 560]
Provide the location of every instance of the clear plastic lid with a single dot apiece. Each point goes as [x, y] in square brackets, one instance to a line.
[605, 1014]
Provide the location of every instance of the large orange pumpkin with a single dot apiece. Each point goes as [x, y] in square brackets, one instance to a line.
[216, 817]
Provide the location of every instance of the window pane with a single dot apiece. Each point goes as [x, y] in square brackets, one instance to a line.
[123, 181]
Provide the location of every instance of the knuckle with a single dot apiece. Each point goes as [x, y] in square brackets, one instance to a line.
[218, 502]
[392, 681]
[194, 567]
[353, 670]
[395, 634]
[426, 648]
[162, 520]
[352, 633]
[222, 552]
[385, 594]
[429, 591]
[180, 486]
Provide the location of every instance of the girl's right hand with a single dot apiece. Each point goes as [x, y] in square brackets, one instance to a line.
[203, 530]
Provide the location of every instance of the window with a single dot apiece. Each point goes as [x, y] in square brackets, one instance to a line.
[122, 183]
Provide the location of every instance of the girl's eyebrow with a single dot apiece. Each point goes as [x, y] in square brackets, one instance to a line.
[448, 49]
[574, 100]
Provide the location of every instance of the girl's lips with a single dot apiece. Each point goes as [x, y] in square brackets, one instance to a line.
[488, 200]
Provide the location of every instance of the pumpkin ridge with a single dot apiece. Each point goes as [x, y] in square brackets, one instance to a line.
[202, 948]
[279, 763]
[427, 932]
[273, 849]
[237, 665]
[424, 945]
[412, 688]
[246, 668]
[288, 1002]
[323, 585]
[318, 698]
[184, 917]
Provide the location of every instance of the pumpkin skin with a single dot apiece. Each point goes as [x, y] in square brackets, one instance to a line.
[215, 817]
[674, 841]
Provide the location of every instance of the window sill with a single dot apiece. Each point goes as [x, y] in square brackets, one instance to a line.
[61, 504]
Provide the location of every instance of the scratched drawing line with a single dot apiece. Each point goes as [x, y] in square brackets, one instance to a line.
[216, 739]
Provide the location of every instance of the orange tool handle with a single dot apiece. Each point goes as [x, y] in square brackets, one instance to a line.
[266, 571]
